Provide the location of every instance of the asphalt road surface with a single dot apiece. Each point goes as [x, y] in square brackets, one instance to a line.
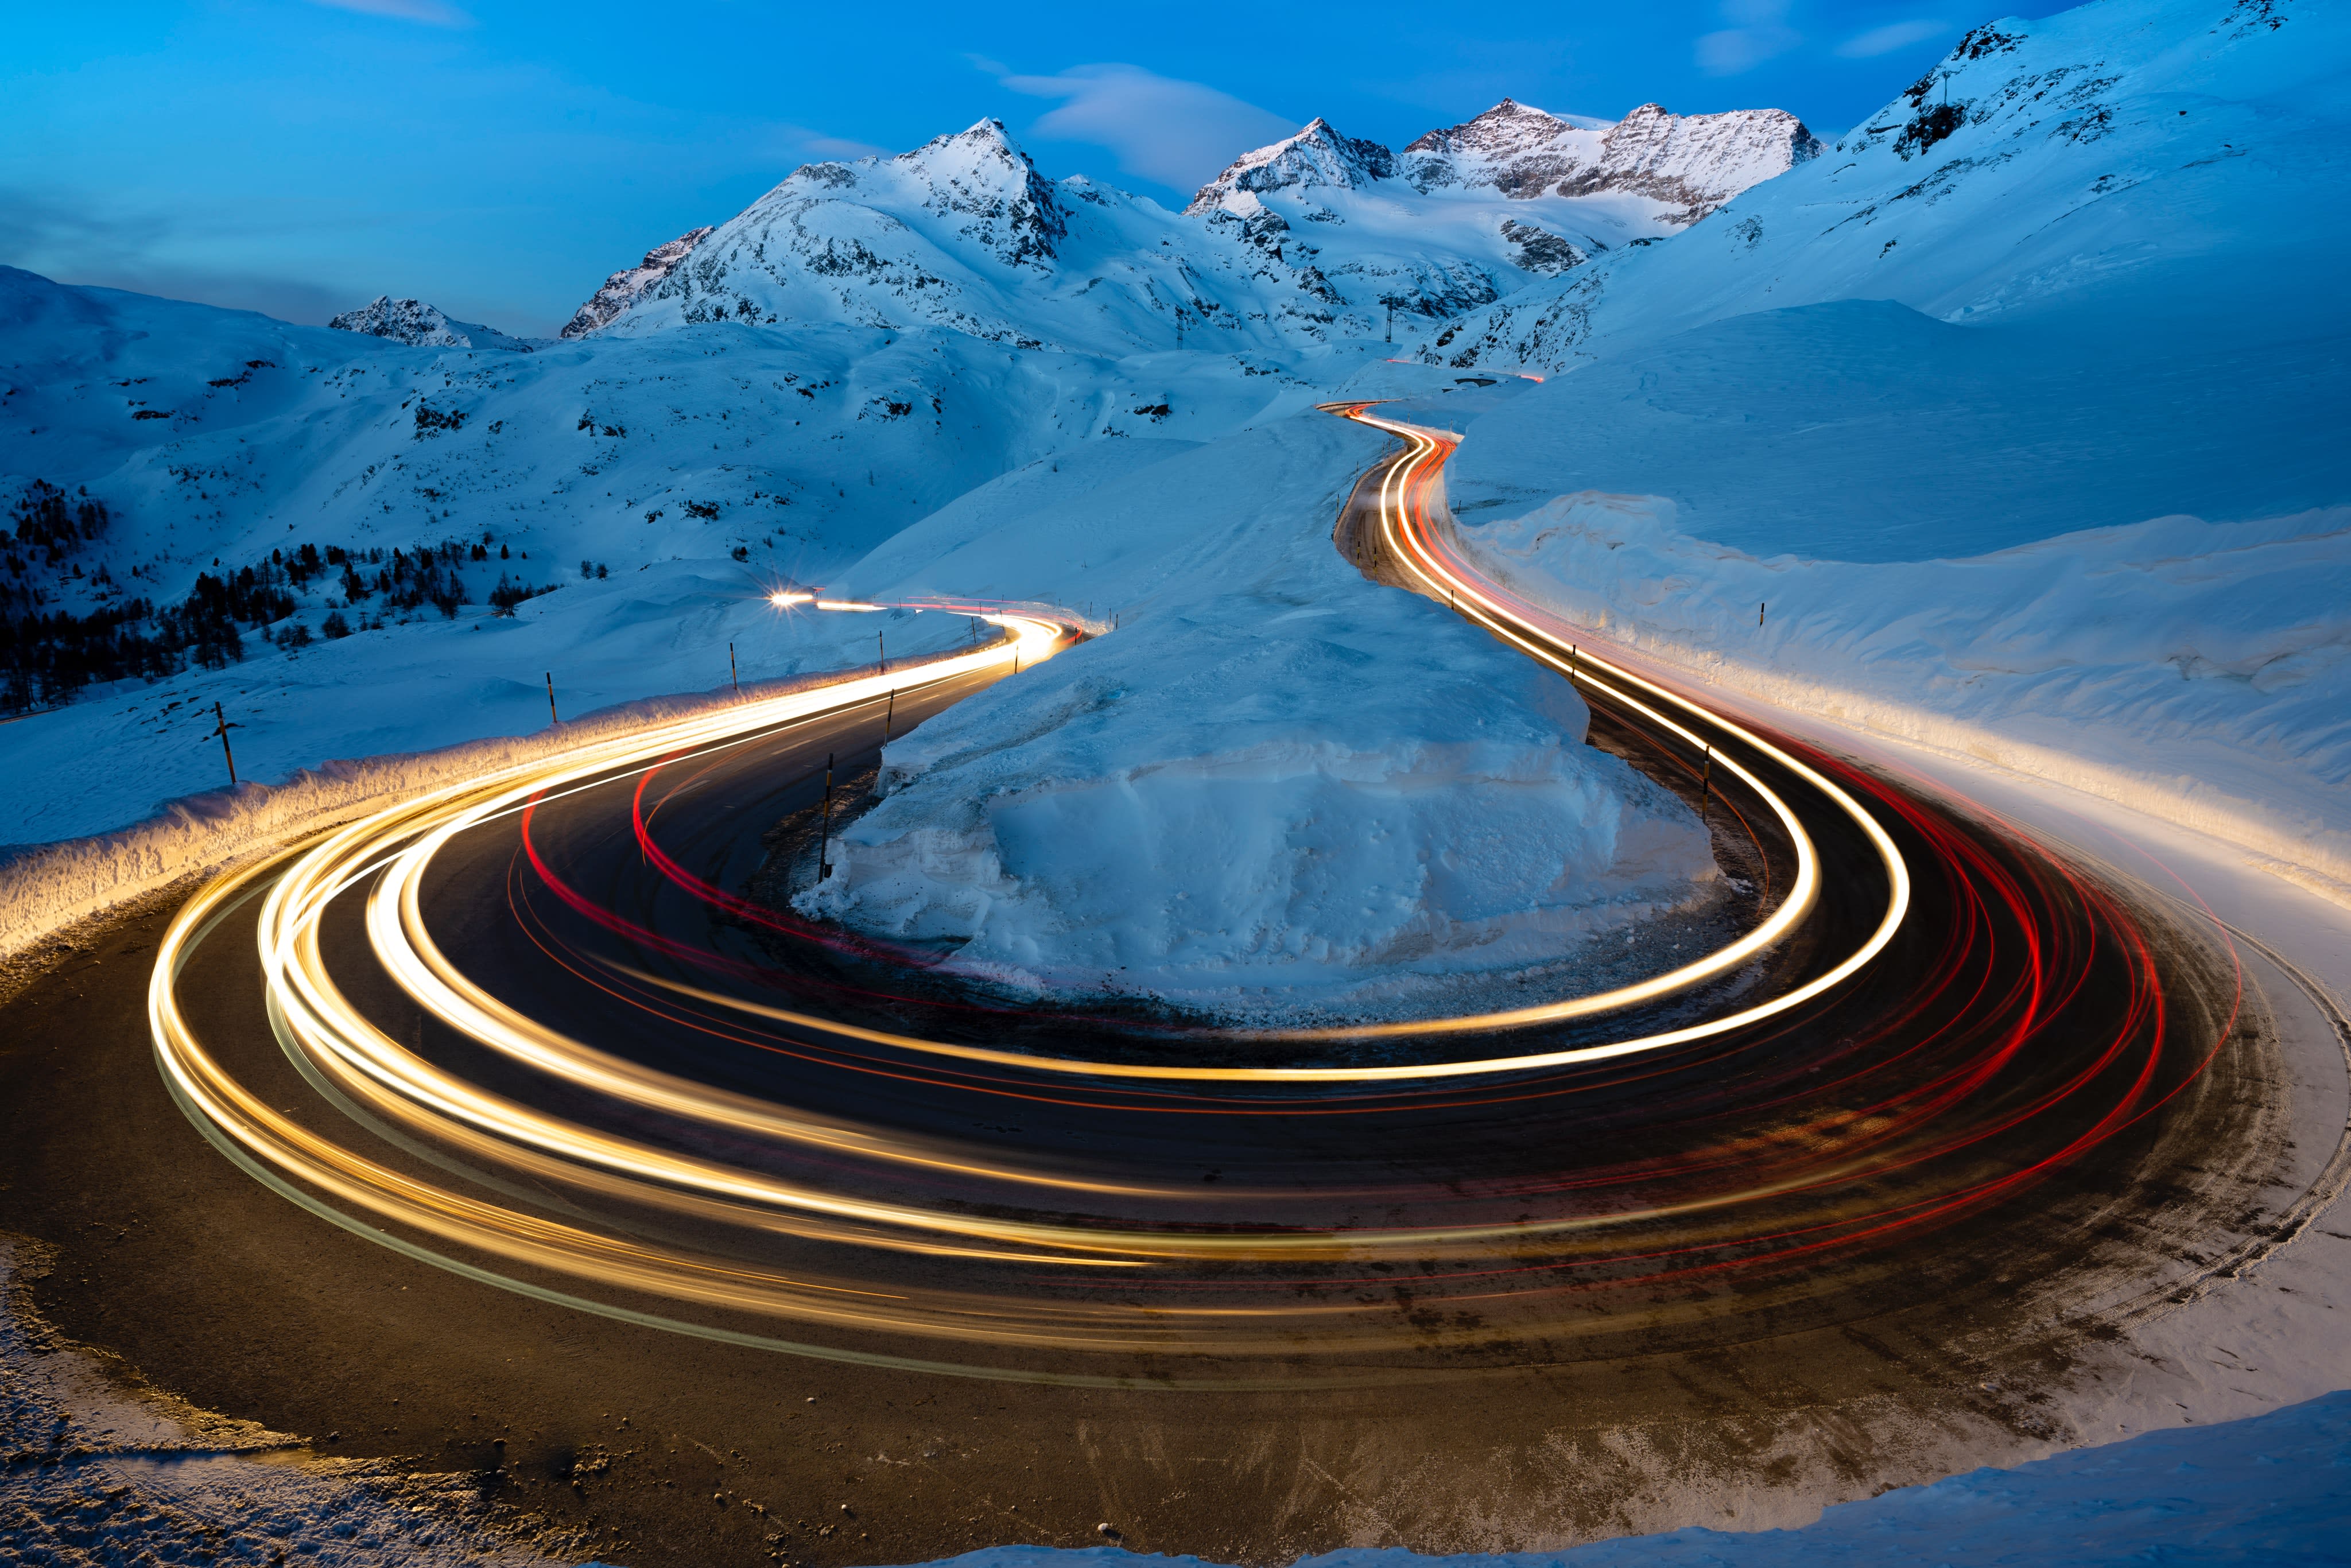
[590, 1168]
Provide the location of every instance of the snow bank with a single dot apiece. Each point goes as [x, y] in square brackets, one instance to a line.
[2200, 673]
[45, 887]
[1278, 786]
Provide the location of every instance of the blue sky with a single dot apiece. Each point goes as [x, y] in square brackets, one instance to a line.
[498, 160]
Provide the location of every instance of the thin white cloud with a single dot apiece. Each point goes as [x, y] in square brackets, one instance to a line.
[1887, 39]
[1178, 133]
[839, 147]
[1760, 31]
[432, 13]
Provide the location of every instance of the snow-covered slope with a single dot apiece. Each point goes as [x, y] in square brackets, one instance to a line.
[948, 321]
[2127, 162]
[421, 326]
[1862, 430]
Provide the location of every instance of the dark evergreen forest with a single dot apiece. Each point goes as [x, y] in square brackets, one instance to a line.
[49, 652]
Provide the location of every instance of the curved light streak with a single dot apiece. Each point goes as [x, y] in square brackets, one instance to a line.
[1783, 1187]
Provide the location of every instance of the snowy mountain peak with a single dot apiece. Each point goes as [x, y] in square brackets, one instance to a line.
[981, 174]
[1318, 157]
[1518, 151]
[413, 322]
[1508, 129]
[624, 288]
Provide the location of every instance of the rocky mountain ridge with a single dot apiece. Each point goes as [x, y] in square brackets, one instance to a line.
[1692, 163]
[626, 287]
[419, 325]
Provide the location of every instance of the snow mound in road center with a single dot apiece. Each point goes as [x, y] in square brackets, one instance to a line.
[1277, 788]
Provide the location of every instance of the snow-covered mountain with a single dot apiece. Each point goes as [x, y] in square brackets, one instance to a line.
[1317, 236]
[2103, 160]
[963, 233]
[421, 326]
[624, 288]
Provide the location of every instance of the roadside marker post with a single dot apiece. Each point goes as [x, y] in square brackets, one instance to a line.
[824, 832]
[731, 672]
[1706, 782]
[551, 717]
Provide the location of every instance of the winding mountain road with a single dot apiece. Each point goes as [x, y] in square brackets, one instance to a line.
[598, 1124]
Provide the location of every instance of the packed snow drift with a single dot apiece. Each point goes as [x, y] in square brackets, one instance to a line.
[1275, 786]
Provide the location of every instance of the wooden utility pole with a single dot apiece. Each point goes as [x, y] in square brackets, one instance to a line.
[221, 726]
[550, 698]
[824, 832]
